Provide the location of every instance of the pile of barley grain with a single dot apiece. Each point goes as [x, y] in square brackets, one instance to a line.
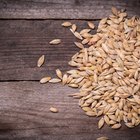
[108, 72]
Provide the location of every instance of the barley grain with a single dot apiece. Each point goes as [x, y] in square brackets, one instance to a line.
[102, 138]
[79, 45]
[41, 61]
[77, 35]
[114, 11]
[90, 113]
[64, 79]
[107, 72]
[66, 24]
[84, 31]
[55, 41]
[116, 126]
[53, 109]
[55, 80]
[45, 80]
[101, 123]
[59, 73]
[91, 25]
[74, 27]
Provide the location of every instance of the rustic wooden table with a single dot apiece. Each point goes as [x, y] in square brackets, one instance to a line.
[26, 27]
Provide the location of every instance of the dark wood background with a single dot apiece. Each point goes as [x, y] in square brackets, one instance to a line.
[26, 27]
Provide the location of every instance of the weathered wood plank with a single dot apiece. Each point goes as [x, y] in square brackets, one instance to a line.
[64, 9]
[22, 42]
[25, 115]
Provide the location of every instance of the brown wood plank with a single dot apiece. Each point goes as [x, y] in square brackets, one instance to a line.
[25, 115]
[22, 42]
[64, 9]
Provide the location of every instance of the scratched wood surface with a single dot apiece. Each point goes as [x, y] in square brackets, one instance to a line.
[26, 27]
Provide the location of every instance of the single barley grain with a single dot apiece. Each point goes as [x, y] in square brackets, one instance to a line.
[55, 80]
[59, 73]
[41, 61]
[74, 27]
[79, 45]
[116, 126]
[102, 138]
[45, 80]
[91, 25]
[53, 109]
[101, 123]
[55, 41]
[66, 24]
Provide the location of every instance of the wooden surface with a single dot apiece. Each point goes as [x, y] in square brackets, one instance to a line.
[24, 108]
[24, 41]
[64, 9]
[26, 27]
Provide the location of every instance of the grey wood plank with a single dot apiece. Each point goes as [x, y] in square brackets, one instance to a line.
[22, 42]
[25, 115]
[64, 9]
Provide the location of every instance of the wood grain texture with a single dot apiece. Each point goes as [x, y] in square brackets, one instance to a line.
[64, 9]
[22, 42]
[24, 103]
[25, 115]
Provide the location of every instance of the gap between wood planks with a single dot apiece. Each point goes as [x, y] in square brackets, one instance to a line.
[58, 19]
[19, 81]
